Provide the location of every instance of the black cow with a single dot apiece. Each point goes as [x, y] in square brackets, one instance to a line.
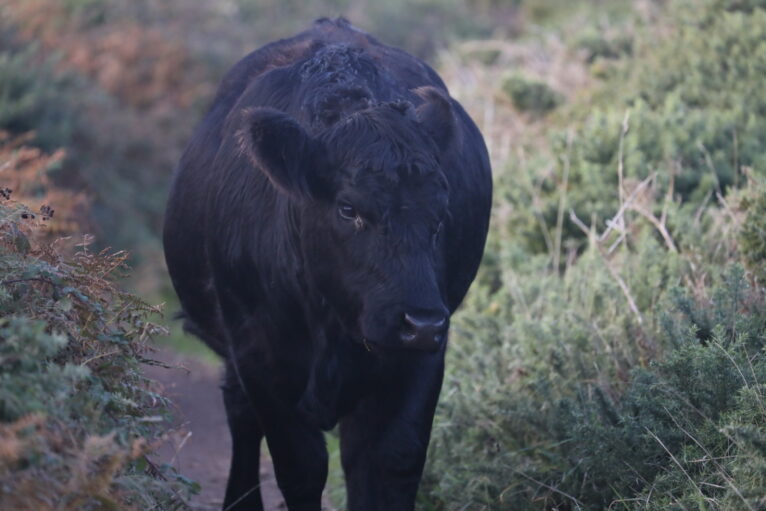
[325, 220]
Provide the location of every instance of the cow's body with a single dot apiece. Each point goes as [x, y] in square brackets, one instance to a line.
[329, 212]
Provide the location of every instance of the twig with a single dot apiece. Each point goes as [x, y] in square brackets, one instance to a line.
[617, 242]
[614, 222]
[577, 503]
[709, 162]
[726, 206]
[156, 472]
[180, 446]
[668, 199]
[100, 355]
[659, 225]
[562, 203]
[675, 460]
[540, 217]
[702, 208]
[30, 279]
[620, 160]
[712, 458]
[242, 497]
[623, 286]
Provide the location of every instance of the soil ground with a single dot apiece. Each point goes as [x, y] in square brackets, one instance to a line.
[202, 449]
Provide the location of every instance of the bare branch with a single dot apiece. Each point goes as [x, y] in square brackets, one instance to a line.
[616, 276]
[617, 218]
[658, 224]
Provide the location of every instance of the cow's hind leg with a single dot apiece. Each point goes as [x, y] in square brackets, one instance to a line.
[243, 489]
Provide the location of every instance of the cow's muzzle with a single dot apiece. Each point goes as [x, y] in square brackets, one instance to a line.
[424, 330]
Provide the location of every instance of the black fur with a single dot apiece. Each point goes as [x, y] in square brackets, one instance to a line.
[333, 192]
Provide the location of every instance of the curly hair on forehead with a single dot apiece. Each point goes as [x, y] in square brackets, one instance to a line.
[386, 138]
[335, 81]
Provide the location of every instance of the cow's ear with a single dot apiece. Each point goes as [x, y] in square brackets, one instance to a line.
[281, 149]
[436, 115]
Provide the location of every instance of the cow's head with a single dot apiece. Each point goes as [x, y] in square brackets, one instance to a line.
[370, 212]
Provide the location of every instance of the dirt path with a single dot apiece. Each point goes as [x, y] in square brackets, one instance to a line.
[203, 449]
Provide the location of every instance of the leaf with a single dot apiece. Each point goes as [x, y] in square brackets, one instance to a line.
[20, 240]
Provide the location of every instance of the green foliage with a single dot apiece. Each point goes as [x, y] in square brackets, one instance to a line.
[31, 98]
[558, 396]
[76, 414]
[597, 46]
[746, 6]
[689, 96]
[752, 238]
[531, 95]
[708, 86]
[93, 12]
[611, 353]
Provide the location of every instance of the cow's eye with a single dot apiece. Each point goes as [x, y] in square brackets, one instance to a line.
[347, 212]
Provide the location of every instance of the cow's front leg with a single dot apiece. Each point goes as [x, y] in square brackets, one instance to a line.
[297, 447]
[243, 488]
[385, 439]
[299, 454]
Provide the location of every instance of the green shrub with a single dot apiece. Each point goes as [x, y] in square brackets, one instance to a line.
[611, 353]
[598, 46]
[559, 395]
[31, 98]
[531, 95]
[740, 5]
[690, 98]
[752, 238]
[76, 415]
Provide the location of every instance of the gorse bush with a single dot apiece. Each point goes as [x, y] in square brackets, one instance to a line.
[531, 95]
[611, 354]
[752, 238]
[31, 98]
[695, 114]
[76, 415]
[707, 98]
[635, 379]
[676, 432]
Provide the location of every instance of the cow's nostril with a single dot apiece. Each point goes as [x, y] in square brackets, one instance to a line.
[418, 322]
[423, 331]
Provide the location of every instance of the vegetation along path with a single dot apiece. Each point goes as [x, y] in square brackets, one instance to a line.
[202, 449]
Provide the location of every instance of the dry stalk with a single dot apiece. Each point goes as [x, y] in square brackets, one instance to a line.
[659, 224]
[562, 204]
[612, 271]
[620, 159]
[675, 460]
[721, 469]
[577, 503]
[617, 222]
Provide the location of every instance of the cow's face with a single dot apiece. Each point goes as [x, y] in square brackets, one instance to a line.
[371, 213]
